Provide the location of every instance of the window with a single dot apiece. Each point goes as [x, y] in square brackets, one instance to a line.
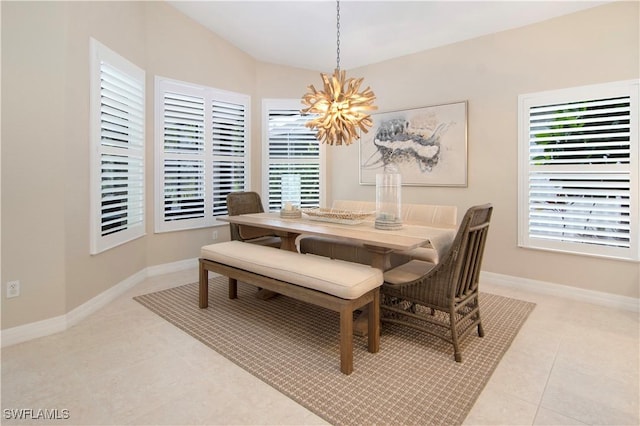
[294, 159]
[579, 165]
[117, 149]
[202, 140]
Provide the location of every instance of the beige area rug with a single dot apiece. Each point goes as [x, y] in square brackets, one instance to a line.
[294, 347]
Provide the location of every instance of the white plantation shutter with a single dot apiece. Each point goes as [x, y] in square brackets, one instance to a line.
[229, 151]
[291, 149]
[184, 191]
[183, 154]
[122, 193]
[202, 153]
[117, 166]
[579, 170]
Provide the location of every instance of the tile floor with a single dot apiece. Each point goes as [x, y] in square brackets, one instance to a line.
[572, 363]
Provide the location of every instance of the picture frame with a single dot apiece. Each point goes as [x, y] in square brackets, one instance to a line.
[427, 146]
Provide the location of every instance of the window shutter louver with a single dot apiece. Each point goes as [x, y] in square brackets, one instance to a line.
[229, 152]
[121, 140]
[309, 175]
[593, 209]
[292, 150]
[122, 193]
[595, 132]
[118, 105]
[184, 190]
[184, 157]
[581, 180]
[229, 122]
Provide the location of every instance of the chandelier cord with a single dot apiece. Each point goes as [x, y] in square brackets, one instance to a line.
[338, 35]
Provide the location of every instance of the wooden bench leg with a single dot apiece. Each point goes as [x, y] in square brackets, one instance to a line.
[204, 286]
[346, 340]
[374, 322]
[233, 288]
[345, 307]
[360, 327]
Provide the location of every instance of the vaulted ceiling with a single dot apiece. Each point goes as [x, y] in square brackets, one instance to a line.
[303, 33]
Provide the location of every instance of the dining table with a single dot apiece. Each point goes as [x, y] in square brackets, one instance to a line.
[379, 242]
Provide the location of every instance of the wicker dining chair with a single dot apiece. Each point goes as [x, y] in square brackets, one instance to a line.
[245, 202]
[442, 299]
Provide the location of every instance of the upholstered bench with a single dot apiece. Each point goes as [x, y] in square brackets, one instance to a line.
[333, 284]
[416, 214]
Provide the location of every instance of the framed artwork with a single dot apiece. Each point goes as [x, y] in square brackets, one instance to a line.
[427, 146]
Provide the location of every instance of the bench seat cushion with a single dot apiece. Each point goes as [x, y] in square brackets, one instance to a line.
[439, 216]
[345, 280]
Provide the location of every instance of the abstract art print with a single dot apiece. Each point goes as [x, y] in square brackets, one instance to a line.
[427, 146]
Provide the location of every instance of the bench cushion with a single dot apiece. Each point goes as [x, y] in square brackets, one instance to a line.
[416, 214]
[345, 280]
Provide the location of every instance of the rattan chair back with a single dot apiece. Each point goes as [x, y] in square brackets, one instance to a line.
[449, 287]
[468, 250]
[246, 202]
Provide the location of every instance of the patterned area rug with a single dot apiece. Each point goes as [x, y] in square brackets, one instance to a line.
[294, 348]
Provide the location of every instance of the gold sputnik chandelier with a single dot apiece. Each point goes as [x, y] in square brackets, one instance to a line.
[341, 109]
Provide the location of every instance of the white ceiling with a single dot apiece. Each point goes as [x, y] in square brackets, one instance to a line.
[303, 33]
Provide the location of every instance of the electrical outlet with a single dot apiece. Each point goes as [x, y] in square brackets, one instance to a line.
[13, 289]
[214, 235]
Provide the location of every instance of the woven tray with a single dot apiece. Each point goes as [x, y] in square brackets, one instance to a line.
[337, 216]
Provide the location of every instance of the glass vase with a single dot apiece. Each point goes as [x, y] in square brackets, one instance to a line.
[388, 200]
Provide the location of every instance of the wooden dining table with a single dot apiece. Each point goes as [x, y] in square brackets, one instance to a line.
[381, 243]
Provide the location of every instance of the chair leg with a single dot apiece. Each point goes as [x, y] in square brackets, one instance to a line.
[454, 336]
[233, 288]
[480, 328]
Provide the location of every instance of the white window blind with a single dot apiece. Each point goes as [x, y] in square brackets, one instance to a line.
[293, 154]
[229, 152]
[117, 165]
[202, 151]
[183, 197]
[579, 170]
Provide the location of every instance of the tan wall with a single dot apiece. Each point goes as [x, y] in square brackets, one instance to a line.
[594, 46]
[45, 100]
[45, 117]
[33, 160]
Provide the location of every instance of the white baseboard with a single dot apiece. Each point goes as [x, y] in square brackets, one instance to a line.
[23, 333]
[167, 268]
[590, 296]
[76, 315]
[33, 330]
